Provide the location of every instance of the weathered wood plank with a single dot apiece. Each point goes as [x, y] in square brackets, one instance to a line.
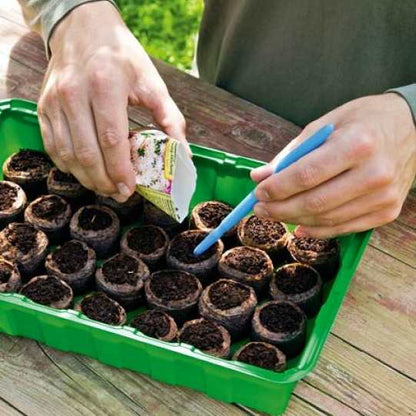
[7, 410]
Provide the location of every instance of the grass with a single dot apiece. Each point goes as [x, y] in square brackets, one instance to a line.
[166, 29]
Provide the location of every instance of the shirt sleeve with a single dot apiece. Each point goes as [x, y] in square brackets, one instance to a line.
[43, 15]
[408, 92]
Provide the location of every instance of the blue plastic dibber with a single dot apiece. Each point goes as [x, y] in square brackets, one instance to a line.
[247, 204]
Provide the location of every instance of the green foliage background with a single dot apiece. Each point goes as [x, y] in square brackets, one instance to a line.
[166, 28]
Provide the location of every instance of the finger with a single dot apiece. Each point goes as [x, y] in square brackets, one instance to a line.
[363, 223]
[65, 150]
[48, 141]
[84, 140]
[111, 121]
[338, 154]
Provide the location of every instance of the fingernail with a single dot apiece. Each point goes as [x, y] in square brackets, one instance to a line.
[262, 195]
[261, 211]
[123, 189]
[300, 232]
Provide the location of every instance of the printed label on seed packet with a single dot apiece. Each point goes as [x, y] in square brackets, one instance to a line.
[165, 174]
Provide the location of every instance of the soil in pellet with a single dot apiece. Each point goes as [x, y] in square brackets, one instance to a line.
[213, 213]
[145, 240]
[46, 291]
[93, 219]
[263, 231]
[49, 208]
[227, 295]
[247, 261]
[316, 245]
[63, 177]
[70, 257]
[152, 323]
[292, 281]
[173, 285]
[101, 308]
[203, 335]
[8, 195]
[23, 237]
[280, 318]
[121, 269]
[259, 355]
[184, 245]
[5, 273]
[30, 161]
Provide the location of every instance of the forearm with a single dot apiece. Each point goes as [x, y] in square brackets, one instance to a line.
[43, 15]
[408, 92]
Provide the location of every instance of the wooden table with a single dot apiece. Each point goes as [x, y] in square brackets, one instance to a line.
[368, 366]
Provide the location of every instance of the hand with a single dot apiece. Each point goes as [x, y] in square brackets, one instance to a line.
[357, 180]
[98, 68]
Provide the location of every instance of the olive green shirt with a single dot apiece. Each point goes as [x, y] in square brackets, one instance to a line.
[296, 58]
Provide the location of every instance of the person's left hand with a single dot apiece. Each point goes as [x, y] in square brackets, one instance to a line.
[357, 180]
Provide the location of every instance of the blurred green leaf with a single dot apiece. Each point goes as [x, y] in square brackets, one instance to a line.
[166, 28]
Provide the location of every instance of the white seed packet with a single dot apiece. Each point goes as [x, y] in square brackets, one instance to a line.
[165, 173]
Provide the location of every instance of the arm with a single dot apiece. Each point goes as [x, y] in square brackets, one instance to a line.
[97, 68]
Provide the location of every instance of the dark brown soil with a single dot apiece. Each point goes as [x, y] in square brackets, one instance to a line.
[93, 219]
[23, 237]
[212, 213]
[145, 239]
[152, 323]
[121, 269]
[46, 291]
[30, 161]
[259, 355]
[295, 280]
[101, 308]
[173, 285]
[70, 257]
[247, 261]
[184, 245]
[227, 295]
[5, 273]
[203, 335]
[49, 207]
[316, 245]
[8, 195]
[280, 318]
[263, 231]
[63, 177]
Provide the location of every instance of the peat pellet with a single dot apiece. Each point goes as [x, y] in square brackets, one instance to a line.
[10, 280]
[173, 291]
[263, 355]
[265, 234]
[180, 255]
[280, 323]
[50, 214]
[12, 203]
[24, 245]
[29, 169]
[229, 303]
[247, 265]
[98, 226]
[74, 263]
[208, 215]
[300, 284]
[322, 255]
[208, 336]
[122, 278]
[48, 290]
[68, 187]
[156, 324]
[99, 307]
[148, 242]
[128, 212]
[155, 216]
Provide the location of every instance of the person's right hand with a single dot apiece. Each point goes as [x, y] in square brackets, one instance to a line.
[98, 68]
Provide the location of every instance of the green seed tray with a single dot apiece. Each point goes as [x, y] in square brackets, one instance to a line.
[221, 176]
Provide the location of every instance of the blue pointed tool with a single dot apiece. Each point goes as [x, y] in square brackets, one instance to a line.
[247, 204]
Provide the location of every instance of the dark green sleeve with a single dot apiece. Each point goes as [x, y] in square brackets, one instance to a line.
[408, 92]
[43, 15]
